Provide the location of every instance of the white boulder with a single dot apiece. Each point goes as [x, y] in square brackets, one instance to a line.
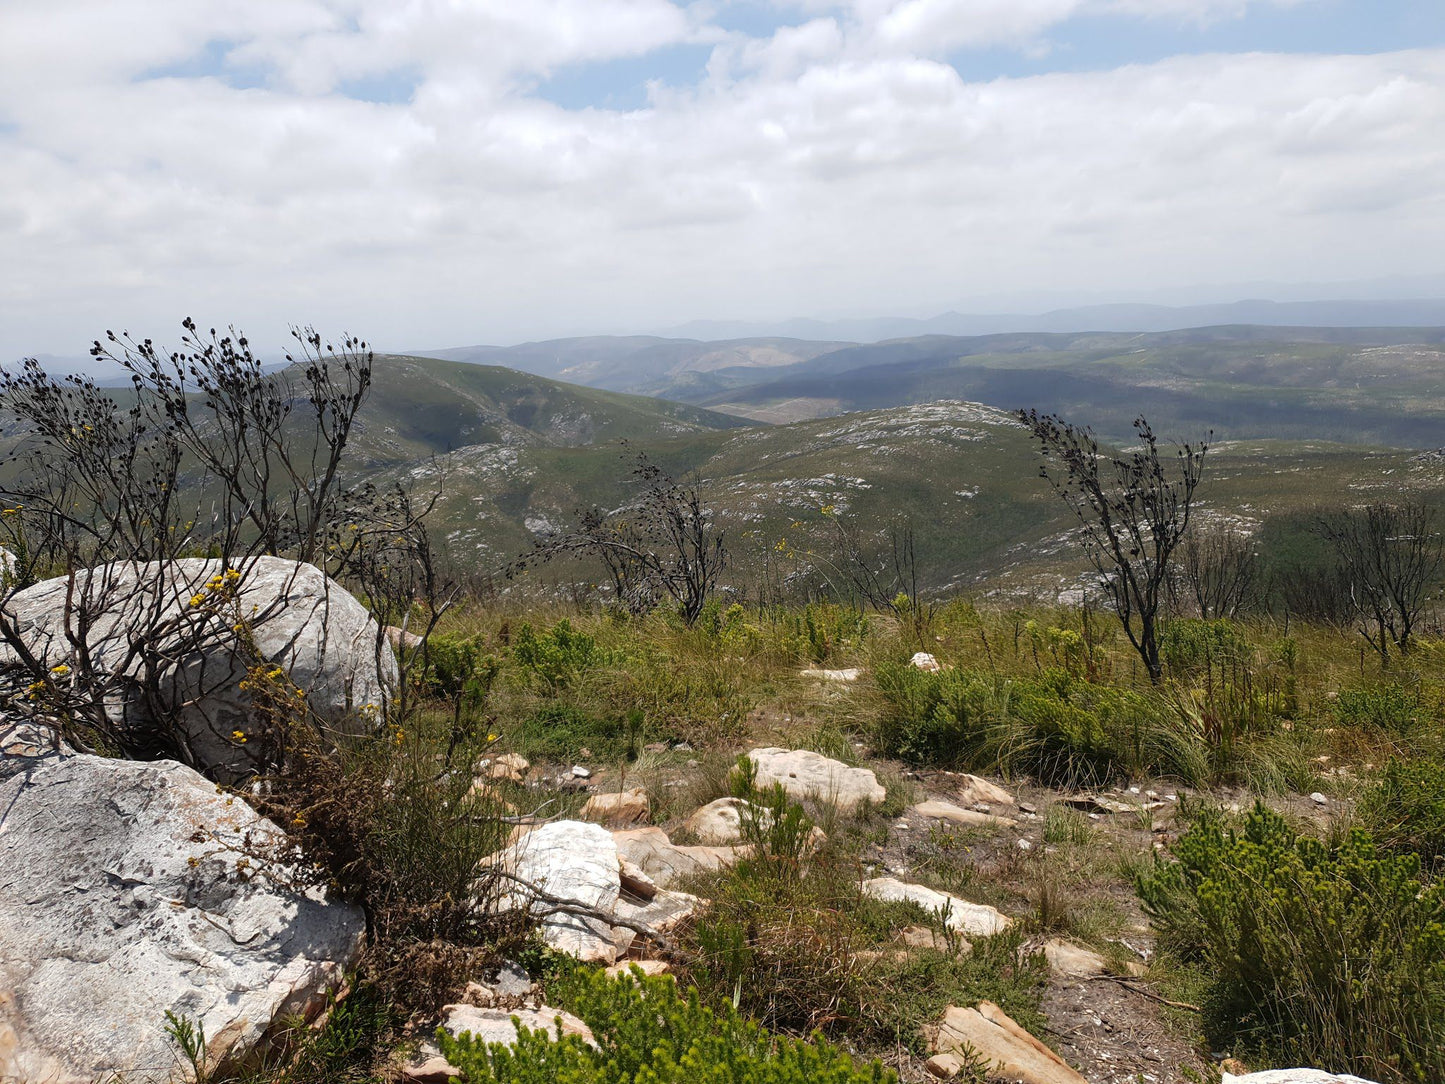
[972, 919]
[805, 774]
[573, 861]
[190, 618]
[720, 822]
[125, 893]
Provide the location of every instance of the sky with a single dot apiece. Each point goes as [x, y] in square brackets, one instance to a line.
[431, 173]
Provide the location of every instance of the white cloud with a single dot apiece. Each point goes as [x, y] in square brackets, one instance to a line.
[827, 169]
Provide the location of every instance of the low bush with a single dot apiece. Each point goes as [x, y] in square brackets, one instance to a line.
[555, 657]
[647, 1032]
[1405, 808]
[1052, 725]
[1314, 954]
[1380, 708]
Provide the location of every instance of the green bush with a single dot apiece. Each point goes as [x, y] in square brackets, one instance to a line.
[1405, 808]
[648, 1033]
[555, 657]
[1313, 954]
[1381, 708]
[1054, 726]
[822, 632]
[1189, 646]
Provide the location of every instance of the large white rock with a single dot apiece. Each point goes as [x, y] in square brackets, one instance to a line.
[969, 818]
[298, 619]
[576, 862]
[972, 790]
[720, 822]
[1294, 1076]
[122, 897]
[986, 1031]
[666, 863]
[805, 774]
[973, 919]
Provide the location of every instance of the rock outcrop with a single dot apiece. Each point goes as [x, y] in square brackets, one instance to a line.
[666, 863]
[987, 1032]
[127, 893]
[629, 806]
[968, 818]
[804, 774]
[972, 919]
[195, 620]
[571, 861]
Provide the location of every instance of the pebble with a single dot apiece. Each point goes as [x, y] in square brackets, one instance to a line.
[1025, 845]
[1026, 808]
[579, 772]
[1319, 799]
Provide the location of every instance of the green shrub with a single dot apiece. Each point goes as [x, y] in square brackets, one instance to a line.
[1405, 808]
[555, 657]
[1189, 646]
[1381, 708]
[1054, 726]
[822, 632]
[648, 1033]
[1313, 955]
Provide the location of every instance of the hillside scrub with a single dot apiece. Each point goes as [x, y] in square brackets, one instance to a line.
[1315, 952]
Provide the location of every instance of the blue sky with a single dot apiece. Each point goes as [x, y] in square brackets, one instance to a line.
[440, 173]
[1084, 42]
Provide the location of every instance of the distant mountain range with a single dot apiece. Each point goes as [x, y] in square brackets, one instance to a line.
[1118, 317]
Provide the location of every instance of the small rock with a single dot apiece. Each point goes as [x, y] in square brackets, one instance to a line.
[1024, 845]
[996, 1037]
[1097, 803]
[508, 766]
[618, 807]
[1026, 807]
[944, 1066]
[851, 674]
[901, 826]
[579, 772]
[647, 967]
[974, 790]
[1073, 961]
[1319, 799]
[922, 660]
[949, 812]
[633, 880]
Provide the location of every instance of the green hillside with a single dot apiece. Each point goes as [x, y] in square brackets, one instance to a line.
[1362, 390]
[423, 406]
[962, 475]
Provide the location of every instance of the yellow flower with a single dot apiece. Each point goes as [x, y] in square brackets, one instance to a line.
[491, 737]
[61, 669]
[198, 599]
[238, 734]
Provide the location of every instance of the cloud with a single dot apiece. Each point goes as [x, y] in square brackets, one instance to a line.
[838, 166]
